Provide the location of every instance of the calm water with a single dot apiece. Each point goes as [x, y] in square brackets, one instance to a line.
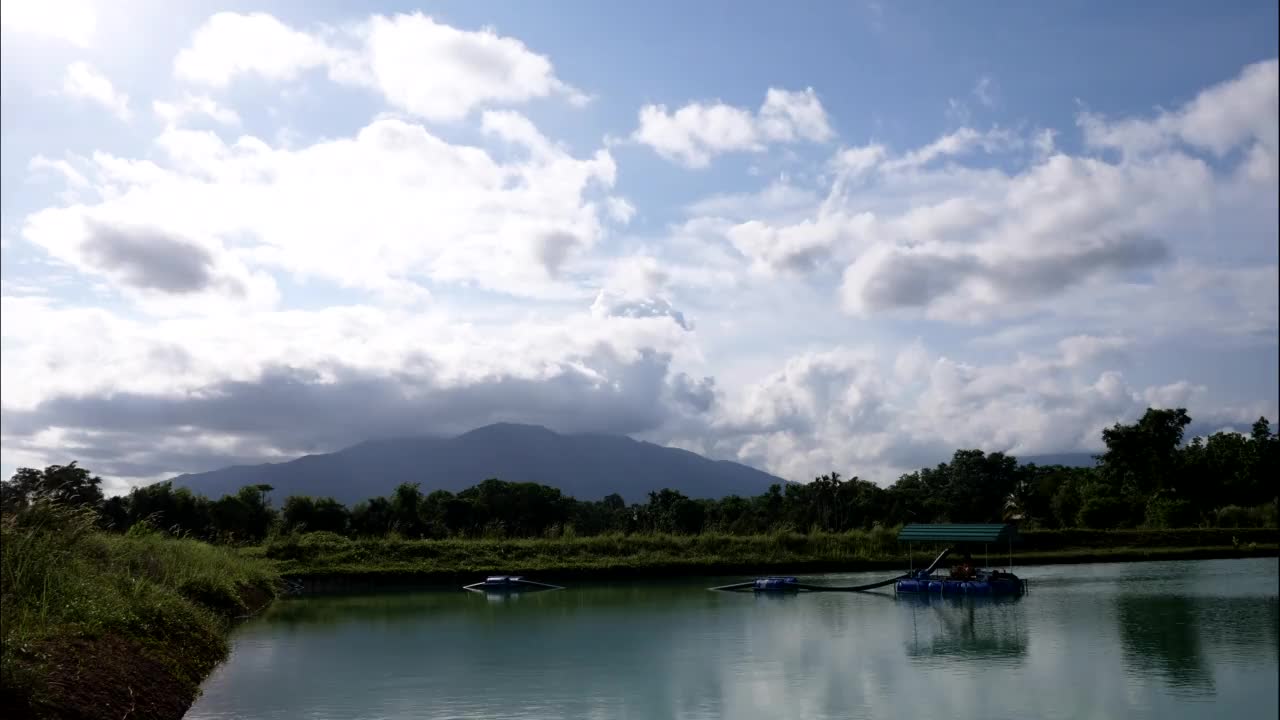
[1148, 640]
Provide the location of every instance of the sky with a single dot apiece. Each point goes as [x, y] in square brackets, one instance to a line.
[838, 236]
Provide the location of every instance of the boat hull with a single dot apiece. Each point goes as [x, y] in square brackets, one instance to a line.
[997, 586]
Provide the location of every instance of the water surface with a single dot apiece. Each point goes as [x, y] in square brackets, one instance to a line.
[1142, 640]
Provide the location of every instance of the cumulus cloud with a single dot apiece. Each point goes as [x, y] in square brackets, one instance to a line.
[694, 133]
[837, 409]
[85, 82]
[230, 44]
[177, 111]
[378, 210]
[421, 66]
[891, 278]
[303, 381]
[70, 21]
[1241, 111]
[147, 259]
[966, 241]
[246, 299]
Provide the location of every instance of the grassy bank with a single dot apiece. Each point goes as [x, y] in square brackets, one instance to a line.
[329, 558]
[97, 625]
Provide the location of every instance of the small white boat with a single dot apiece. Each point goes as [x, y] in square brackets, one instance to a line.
[509, 583]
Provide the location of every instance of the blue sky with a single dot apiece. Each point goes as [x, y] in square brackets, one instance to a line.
[836, 236]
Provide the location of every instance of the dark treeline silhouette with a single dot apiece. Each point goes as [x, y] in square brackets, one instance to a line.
[1146, 477]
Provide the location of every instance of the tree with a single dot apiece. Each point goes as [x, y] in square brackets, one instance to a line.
[246, 516]
[176, 511]
[670, 511]
[1142, 458]
[68, 485]
[372, 518]
[406, 510]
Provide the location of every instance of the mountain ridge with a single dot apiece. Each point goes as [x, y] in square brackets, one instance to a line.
[587, 466]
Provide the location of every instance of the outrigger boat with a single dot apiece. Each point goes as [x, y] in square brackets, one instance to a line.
[965, 579]
[509, 583]
[962, 581]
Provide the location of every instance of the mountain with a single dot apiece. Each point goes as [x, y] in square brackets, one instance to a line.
[586, 466]
[1068, 459]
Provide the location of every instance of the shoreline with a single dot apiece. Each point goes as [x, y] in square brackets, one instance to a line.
[405, 576]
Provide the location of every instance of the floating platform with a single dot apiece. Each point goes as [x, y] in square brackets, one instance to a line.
[984, 583]
[776, 584]
[509, 583]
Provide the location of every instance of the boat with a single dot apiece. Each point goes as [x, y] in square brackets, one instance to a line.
[957, 538]
[977, 582]
[509, 583]
[984, 582]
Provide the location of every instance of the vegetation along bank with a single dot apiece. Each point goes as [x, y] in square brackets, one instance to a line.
[111, 625]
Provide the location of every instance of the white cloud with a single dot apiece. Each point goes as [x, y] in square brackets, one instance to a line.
[696, 132]
[74, 179]
[230, 44]
[967, 243]
[150, 263]
[985, 91]
[175, 112]
[389, 208]
[837, 409]
[418, 65]
[859, 160]
[779, 198]
[1241, 111]
[957, 143]
[83, 81]
[620, 209]
[247, 298]
[439, 72]
[155, 394]
[70, 21]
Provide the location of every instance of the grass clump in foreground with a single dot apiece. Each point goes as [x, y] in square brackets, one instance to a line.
[325, 553]
[99, 625]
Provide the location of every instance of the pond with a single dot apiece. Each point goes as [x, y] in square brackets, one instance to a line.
[1139, 640]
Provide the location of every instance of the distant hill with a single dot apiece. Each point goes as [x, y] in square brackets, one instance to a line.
[1068, 459]
[585, 466]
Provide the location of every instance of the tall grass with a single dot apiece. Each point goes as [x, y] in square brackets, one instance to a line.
[61, 579]
[329, 553]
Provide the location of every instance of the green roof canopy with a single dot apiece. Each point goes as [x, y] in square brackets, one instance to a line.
[992, 533]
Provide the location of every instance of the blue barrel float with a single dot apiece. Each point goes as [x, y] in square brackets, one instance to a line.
[776, 584]
[984, 582]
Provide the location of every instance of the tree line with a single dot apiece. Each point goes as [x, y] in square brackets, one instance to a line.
[1146, 477]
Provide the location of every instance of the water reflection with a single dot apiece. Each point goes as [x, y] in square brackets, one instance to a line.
[1140, 640]
[1161, 636]
[948, 628]
[1170, 637]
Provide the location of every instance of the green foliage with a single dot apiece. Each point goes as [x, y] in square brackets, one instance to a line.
[1105, 512]
[64, 578]
[66, 485]
[708, 552]
[1142, 458]
[1234, 516]
[1167, 512]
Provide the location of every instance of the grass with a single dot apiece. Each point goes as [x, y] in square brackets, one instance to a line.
[328, 555]
[102, 625]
